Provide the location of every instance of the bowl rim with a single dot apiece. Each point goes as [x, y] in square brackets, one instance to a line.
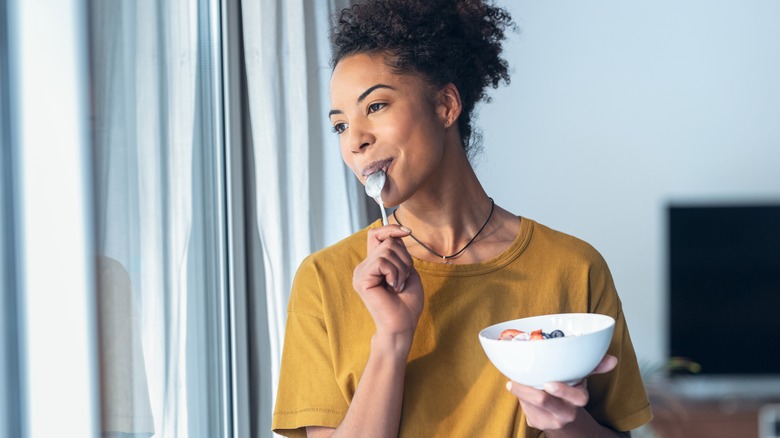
[610, 324]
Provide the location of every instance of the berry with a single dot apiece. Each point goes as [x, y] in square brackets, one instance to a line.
[557, 334]
[509, 334]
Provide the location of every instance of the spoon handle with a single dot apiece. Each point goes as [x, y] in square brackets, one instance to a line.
[382, 207]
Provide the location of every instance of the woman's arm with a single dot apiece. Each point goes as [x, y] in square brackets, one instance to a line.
[375, 410]
[392, 292]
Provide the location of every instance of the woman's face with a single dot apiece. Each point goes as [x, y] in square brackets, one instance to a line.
[386, 121]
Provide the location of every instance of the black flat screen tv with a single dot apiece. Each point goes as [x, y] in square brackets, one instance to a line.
[724, 287]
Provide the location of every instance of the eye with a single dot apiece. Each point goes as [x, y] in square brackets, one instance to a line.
[339, 128]
[374, 107]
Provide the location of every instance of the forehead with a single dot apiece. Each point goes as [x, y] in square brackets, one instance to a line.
[354, 74]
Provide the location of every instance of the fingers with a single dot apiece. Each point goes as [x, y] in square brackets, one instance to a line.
[378, 235]
[576, 395]
[607, 364]
[394, 270]
[388, 264]
[388, 255]
[554, 396]
[542, 419]
[546, 411]
[558, 404]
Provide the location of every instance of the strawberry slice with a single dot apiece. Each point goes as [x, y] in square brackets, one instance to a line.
[536, 335]
[508, 334]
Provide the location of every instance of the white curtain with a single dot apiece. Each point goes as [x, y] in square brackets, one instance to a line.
[156, 195]
[158, 276]
[305, 197]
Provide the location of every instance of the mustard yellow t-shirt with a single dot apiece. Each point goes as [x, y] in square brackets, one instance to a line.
[451, 389]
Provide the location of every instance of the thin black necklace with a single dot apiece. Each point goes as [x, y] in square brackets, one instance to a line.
[445, 257]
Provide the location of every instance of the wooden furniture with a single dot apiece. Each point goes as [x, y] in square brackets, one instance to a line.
[675, 416]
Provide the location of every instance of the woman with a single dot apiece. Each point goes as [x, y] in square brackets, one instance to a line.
[382, 327]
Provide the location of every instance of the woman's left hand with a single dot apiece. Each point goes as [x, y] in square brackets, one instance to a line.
[558, 405]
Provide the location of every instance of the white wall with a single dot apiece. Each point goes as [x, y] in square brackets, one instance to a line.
[616, 108]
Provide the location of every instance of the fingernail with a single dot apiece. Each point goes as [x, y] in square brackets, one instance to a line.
[406, 229]
[401, 287]
[551, 388]
[509, 386]
[391, 283]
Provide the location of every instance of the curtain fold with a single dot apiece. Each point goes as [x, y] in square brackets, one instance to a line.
[158, 223]
[156, 197]
[304, 196]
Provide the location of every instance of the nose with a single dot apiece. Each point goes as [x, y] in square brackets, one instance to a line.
[359, 137]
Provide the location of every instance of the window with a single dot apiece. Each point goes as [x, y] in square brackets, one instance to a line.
[161, 257]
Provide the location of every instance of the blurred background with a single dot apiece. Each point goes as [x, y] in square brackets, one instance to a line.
[650, 130]
[617, 110]
[166, 165]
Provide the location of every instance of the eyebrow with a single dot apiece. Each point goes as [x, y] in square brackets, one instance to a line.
[362, 96]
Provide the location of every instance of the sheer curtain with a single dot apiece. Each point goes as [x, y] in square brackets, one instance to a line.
[158, 152]
[302, 197]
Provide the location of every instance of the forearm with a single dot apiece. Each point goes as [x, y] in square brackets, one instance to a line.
[584, 426]
[375, 410]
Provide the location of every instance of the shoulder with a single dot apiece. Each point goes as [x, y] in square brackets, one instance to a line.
[327, 272]
[581, 265]
[350, 249]
[563, 246]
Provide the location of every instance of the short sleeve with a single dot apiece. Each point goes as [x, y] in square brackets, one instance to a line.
[618, 398]
[308, 394]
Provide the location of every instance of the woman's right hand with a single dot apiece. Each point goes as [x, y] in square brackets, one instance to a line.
[388, 284]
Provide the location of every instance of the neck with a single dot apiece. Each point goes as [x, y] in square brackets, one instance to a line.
[447, 257]
[448, 213]
[447, 218]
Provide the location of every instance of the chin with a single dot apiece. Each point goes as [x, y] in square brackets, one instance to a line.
[390, 204]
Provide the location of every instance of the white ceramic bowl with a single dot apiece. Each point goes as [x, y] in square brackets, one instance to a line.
[568, 359]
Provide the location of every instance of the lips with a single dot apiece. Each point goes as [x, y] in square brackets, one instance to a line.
[378, 165]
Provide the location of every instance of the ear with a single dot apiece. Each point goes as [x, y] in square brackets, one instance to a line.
[449, 105]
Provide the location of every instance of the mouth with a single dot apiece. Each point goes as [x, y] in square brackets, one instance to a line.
[376, 166]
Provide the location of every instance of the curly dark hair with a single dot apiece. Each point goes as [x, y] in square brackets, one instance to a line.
[446, 41]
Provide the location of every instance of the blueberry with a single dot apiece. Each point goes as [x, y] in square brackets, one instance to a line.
[557, 334]
[545, 335]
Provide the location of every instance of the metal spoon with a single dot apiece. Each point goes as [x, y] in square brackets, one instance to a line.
[374, 185]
